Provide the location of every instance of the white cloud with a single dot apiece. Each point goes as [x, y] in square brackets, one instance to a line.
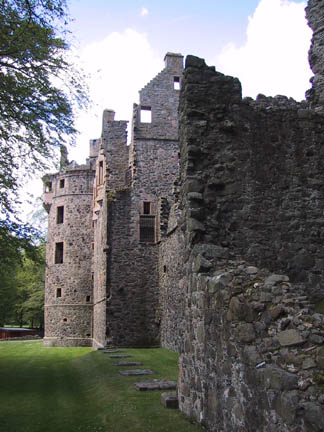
[119, 65]
[144, 11]
[274, 58]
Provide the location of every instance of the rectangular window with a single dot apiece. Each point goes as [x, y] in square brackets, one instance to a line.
[60, 215]
[62, 183]
[88, 298]
[59, 292]
[176, 83]
[48, 187]
[147, 229]
[59, 253]
[100, 172]
[146, 115]
[146, 207]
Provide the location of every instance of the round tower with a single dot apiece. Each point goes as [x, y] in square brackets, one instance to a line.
[69, 283]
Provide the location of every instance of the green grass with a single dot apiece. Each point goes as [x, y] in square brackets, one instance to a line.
[79, 390]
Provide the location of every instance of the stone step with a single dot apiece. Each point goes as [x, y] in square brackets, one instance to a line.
[127, 364]
[170, 400]
[119, 356]
[155, 385]
[113, 351]
[136, 372]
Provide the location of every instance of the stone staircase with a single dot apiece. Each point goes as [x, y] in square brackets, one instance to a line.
[168, 399]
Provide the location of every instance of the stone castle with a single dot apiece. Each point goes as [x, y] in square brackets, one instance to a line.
[204, 235]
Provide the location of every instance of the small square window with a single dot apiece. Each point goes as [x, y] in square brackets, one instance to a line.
[146, 115]
[146, 207]
[176, 83]
[62, 183]
[48, 187]
[88, 298]
[100, 172]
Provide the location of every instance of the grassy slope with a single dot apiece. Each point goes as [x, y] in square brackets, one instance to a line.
[78, 390]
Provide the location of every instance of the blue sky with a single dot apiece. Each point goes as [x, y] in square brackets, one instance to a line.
[194, 27]
[121, 46]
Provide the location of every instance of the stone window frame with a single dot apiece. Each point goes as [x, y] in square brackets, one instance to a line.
[100, 172]
[147, 208]
[146, 116]
[48, 187]
[176, 83]
[145, 237]
[62, 183]
[59, 215]
[59, 253]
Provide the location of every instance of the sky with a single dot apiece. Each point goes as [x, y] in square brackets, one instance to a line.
[121, 46]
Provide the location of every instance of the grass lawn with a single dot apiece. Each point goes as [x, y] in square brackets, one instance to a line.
[78, 390]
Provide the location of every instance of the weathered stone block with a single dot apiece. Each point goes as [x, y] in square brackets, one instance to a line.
[170, 400]
[290, 337]
[278, 379]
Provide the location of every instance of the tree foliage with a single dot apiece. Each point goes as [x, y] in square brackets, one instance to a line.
[22, 282]
[39, 89]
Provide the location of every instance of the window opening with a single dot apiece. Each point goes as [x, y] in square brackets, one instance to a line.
[59, 253]
[59, 292]
[94, 142]
[100, 172]
[146, 115]
[60, 215]
[65, 319]
[147, 229]
[62, 183]
[88, 298]
[146, 207]
[164, 269]
[176, 83]
[48, 187]
[92, 276]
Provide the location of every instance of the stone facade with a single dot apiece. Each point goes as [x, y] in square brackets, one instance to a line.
[106, 290]
[69, 291]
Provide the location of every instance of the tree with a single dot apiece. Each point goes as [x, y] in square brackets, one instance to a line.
[22, 268]
[39, 90]
[30, 284]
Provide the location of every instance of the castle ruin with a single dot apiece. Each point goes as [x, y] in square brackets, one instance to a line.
[205, 237]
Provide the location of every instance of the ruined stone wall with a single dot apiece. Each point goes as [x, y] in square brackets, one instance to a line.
[254, 177]
[99, 275]
[68, 292]
[315, 19]
[115, 144]
[252, 353]
[111, 168]
[171, 258]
